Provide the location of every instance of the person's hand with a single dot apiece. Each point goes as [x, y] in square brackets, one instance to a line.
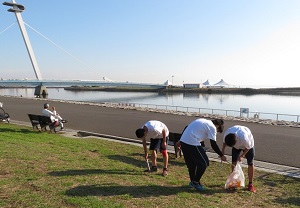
[178, 146]
[241, 158]
[223, 158]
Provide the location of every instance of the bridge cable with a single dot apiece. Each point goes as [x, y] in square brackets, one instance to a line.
[62, 48]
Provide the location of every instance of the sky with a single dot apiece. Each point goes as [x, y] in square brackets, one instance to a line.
[247, 43]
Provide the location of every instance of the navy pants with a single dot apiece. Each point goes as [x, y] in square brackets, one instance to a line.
[196, 160]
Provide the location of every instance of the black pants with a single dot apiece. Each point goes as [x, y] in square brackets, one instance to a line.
[196, 160]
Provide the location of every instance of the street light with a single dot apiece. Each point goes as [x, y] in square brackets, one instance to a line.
[172, 79]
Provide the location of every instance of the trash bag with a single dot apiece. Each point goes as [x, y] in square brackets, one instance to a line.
[236, 178]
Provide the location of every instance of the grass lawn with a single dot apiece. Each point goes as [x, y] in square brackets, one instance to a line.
[50, 170]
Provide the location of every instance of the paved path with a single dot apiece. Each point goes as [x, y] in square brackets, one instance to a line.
[273, 144]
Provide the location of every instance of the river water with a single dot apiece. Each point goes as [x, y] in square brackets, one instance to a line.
[268, 106]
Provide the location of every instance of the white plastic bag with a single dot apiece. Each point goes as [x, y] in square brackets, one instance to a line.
[236, 178]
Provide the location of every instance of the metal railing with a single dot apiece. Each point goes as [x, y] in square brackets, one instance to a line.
[233, 113]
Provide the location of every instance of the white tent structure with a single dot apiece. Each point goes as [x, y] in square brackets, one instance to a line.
[221, 83]
[206, 83]
[168, 83]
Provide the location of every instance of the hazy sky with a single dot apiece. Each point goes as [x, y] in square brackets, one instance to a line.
[245, 42]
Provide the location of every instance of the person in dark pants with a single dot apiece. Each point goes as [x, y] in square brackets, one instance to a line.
[158, 134]
[241, 139]
[194, 155]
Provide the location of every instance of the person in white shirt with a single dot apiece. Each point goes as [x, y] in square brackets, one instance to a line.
[54, 116]
[158, 133]
[194, 154]
[241, 139]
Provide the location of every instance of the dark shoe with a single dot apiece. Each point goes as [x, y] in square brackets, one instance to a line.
[154, 169]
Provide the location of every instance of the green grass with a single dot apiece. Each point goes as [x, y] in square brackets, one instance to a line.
[50, 170]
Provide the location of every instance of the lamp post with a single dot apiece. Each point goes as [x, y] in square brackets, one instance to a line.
[172, 80]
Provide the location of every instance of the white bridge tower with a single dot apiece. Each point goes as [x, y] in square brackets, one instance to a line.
[17, 9]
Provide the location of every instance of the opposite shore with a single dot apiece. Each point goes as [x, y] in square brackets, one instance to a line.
[289, 91]
[293, 91]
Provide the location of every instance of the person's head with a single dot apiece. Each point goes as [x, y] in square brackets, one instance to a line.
[230, 140]
[46, 105]
[219, 123]
[140, 133]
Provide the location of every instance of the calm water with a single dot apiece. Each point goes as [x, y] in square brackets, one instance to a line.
[264, 104]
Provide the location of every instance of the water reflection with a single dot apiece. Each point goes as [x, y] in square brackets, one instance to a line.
[191, 95]
[255, 103]
[222, 98]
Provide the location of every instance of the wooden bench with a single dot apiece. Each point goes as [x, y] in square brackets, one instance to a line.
[173, 139]
[3, 115]
[43, 122]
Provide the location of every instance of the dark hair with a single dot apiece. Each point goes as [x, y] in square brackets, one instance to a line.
[46, 105]
[230, 140]
[140, 133]
[220, 124]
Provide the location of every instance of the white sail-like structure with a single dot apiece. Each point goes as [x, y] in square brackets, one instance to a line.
[221, 83]
[168, 83]
[206, 83]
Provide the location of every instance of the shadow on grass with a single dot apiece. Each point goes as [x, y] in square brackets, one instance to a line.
[289, 201]
[270, 180]
[141, 162]
[133, 191]
[24, 131]
[127, 160]
[91, 171]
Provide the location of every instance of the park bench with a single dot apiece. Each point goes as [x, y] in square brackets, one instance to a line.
[43, 122]
[3, 115]
[173, 139]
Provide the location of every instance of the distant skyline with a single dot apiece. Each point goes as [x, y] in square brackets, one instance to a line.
[245, 43]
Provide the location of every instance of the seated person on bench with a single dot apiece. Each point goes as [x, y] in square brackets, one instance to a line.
[54, 116]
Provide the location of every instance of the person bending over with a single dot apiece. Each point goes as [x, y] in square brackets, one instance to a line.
[194, 154]
[158, 134]
[241, 139]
